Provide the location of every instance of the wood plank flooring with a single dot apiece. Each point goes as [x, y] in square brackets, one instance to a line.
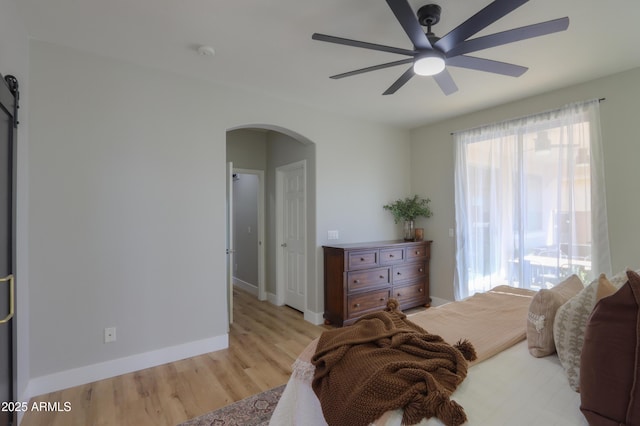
[264, 340]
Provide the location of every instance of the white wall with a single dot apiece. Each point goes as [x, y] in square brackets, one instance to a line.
[14, 60]
[432, 167]
[122, 213]
[127, 207]
[247, 149]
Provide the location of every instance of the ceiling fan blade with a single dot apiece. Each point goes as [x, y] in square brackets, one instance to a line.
[477, 22]
[407, 18]
[446, 83]
[373, 68]
[406, 76]
[488, 65]
[510, 36]
[363, 44]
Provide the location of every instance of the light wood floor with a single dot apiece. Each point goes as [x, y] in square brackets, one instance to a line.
[263, 343]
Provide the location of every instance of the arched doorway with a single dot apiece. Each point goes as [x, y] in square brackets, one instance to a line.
[273, 151]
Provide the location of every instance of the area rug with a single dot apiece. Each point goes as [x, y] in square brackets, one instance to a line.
[255, 410]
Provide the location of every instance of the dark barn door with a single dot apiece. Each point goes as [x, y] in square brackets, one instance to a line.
[7, 291]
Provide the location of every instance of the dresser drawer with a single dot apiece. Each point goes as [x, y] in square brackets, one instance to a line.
[362, 303]
[362, 259]
[389, 256]
[415, 292]
[369, 278]
[417, 252]
[409, 271]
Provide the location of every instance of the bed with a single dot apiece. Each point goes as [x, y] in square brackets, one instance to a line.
[505, 384]
[489, 395]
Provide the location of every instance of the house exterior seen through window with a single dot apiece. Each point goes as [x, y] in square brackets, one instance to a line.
[524, 205]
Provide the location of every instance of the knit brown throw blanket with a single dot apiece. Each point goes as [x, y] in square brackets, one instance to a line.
[384, 362]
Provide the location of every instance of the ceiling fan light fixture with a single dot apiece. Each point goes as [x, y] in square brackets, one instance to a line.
[430, 63]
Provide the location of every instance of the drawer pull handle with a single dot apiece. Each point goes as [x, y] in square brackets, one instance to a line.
[420, 290]
[382, 299]
[421, 270]
[417, 253]
[382, 277]
[398, 273]
[399, 294]
[362, 259]
[390, 255]
[356, 281]
[357, 305]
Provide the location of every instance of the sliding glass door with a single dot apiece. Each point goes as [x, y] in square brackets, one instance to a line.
[524, 206]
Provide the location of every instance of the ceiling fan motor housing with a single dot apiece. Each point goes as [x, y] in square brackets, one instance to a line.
[429, 15]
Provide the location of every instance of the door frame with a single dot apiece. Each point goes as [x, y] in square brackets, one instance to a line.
[262, 291]
[280, 288]
[229, 243]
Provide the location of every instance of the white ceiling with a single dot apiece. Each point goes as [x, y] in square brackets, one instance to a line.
[266, 46]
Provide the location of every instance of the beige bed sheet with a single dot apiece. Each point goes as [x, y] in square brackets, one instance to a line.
[492, 321]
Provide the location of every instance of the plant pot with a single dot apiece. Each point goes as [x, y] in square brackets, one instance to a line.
[409, 230]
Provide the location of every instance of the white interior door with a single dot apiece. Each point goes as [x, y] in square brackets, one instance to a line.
[230, 240]
[292, 187]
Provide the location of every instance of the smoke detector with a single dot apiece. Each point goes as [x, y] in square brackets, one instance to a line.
[206, 51]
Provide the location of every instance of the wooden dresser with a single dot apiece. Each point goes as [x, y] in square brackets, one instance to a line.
[360, 278]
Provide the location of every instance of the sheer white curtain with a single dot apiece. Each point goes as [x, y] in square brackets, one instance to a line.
[530, 201]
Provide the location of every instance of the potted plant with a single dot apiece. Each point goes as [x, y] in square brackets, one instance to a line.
[407, 210]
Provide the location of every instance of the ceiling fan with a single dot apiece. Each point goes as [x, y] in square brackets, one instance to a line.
[431, 54]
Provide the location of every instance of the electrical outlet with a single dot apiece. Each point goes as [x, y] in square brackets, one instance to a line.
[109, 334]
[333, 235]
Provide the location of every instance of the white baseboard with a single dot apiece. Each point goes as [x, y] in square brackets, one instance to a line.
[273, 299]
[437, 301]
[248, 287]
[316, 318]
[104, 370]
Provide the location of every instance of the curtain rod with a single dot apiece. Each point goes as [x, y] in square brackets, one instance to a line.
[458, 131]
